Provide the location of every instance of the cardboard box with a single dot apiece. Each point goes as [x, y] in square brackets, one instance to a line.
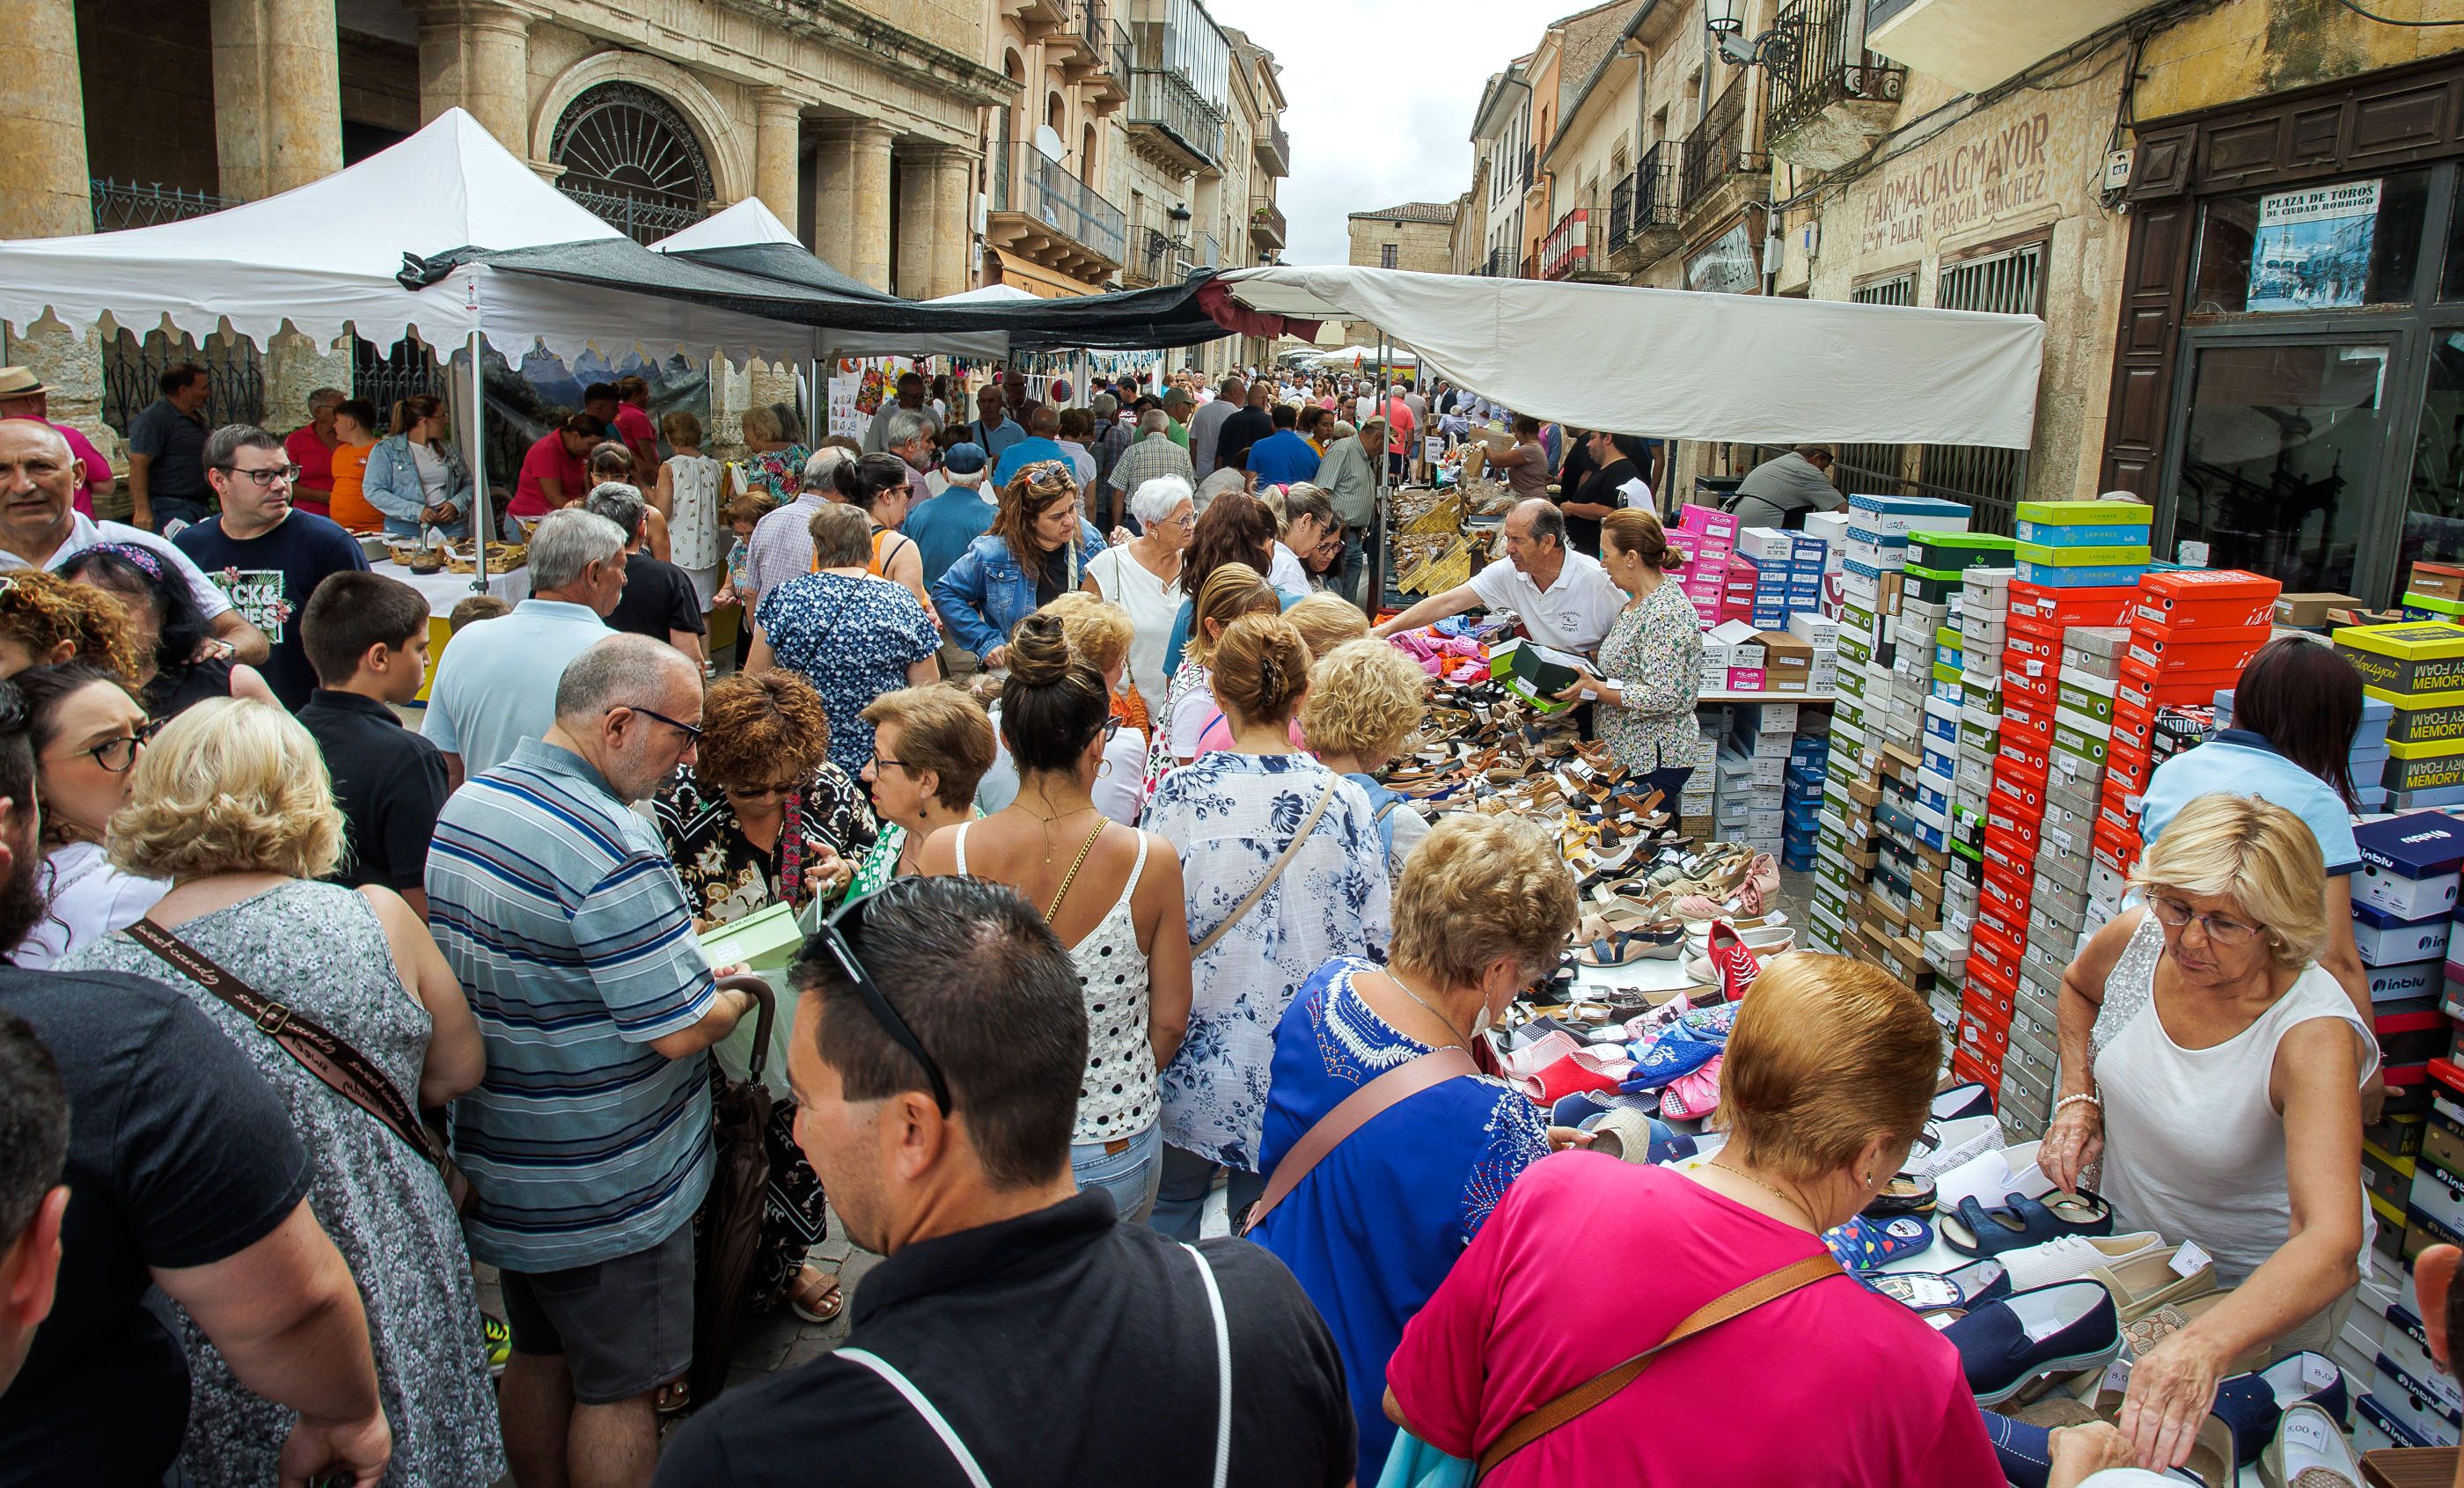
[1788, 662]
[2436, 581]
[2416, 659]
[2200, 599]
[2309, 610]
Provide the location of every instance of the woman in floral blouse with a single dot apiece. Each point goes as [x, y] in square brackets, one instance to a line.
[1652, 658]
[762, 816]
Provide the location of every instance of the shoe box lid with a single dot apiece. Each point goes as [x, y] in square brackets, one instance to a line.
[2419, 845]
[2039, 605]
[2422, 658]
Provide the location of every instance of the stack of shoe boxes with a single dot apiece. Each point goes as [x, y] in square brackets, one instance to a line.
[1761, 735]
[1831, 529]
[1809, 758]
[2404, 905]
[2129, 766]
[2417, 670]
[1707, 537]
[2414, 1168]
[2073, 570]
[1787, 569]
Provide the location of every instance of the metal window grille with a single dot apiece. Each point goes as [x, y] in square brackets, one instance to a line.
[2011, 282]
[385, 378]
[1878, 470]
[132, 369]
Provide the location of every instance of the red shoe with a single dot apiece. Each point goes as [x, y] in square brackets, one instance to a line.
[1735, 966]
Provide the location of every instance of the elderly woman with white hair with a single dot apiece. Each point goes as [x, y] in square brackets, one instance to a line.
[2216, 1071]
[1142, 576]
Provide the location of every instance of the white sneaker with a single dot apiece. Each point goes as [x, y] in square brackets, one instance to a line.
[1955, 1143]
[2073, 1256]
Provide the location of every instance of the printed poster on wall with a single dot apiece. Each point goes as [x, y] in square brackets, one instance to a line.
[845, 417]
[2312, 250]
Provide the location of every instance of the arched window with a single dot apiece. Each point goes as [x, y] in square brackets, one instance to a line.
[1053, 113]
[629, 156]
[1086, 154]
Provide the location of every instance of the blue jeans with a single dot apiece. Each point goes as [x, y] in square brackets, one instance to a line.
[1181, 1197]
[1353, 568]
[167, 510]
[405, 527]
[1130, 1175]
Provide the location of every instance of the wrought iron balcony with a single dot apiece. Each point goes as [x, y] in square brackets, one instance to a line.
[126, 204]
[1577, 246]
[1274, 150]
[1829, 98]
[1643, 210]
[1715, 150]
[1164, 106]
[1150, 255]
[1267, 226]
[1042, 211]
[1204, 251]
[1498, 264]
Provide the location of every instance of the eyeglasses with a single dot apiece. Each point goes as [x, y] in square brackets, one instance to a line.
[880, 764]
[119, 754]
[831, 940]
[1111, 726]
[2220, 929]
[267, 476]
[691, 731]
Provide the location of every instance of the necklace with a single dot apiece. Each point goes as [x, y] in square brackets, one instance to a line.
[1459, 1036]
[1774, 1191]
[1049, 845]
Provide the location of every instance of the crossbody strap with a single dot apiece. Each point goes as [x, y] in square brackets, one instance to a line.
[1274, 872]
[1599, 1388]
[319, 1049]
[923, 1407]
[1223, 1366]
[1355, 1111]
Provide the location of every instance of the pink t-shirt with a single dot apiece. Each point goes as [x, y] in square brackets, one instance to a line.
[633, 426]
[547, 460]
[98, 470]
[1830, 1384]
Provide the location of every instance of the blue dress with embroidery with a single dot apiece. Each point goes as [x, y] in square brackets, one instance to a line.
[1373, 1228]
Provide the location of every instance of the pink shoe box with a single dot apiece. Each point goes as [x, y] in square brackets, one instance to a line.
[1708, 521]
[1746, 679]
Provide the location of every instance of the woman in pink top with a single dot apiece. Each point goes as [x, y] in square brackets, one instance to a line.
[1828, 1078]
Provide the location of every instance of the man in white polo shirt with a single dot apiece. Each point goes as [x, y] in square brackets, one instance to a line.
[1565, 598]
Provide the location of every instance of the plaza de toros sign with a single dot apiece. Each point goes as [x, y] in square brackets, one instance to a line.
[2004, 169]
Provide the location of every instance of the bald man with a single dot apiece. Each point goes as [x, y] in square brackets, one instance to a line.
[1565, 598]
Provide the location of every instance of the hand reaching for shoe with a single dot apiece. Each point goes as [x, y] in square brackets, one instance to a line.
[2172, 1389]
[2072, 1145]
[2080, 1452]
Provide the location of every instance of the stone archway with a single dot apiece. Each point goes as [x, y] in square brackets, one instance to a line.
[629, 156]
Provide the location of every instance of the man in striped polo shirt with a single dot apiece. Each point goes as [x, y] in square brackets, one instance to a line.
[589, 1142]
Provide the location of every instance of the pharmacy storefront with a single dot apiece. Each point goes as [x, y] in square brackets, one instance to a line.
[2288, 384]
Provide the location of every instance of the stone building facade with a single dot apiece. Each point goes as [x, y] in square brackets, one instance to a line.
[1414, 236]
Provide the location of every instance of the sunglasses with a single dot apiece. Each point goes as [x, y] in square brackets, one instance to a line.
[832, 941]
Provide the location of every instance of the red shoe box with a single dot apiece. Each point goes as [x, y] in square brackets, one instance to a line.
[2128, 766]
[2114, 847]
[2019, 833]
[1991, 1004]
[2019, 748]
[1999, 917]
[2133, 725]
[2042, 605]
[2029, 720]
[2152, 689]
[2198, 599]
[1963, 1066]
[2161, 653]
[1984, 1040]
[1999, 953]
[2030, 647]
[1992, 979]
[2007, 888]
[2040, 691]
[2014, 794]
[2117, 803]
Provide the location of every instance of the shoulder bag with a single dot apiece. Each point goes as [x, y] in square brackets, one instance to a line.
[1274, 872]
[1353, 1112]
[319, 1050]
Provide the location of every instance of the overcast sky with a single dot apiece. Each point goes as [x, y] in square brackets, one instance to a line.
[1380, 94]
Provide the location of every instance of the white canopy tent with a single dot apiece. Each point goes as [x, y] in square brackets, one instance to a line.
[1368, 357]
[989, 295]
[1677, 364]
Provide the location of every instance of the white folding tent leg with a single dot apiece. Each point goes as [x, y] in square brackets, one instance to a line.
[474, 442]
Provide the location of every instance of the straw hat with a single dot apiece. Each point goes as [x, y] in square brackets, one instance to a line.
[20, 383]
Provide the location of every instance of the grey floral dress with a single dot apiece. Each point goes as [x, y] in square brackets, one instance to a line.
[1654, 653]
[321, 948]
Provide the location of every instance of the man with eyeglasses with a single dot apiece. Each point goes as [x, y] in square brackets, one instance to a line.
[589, 1142]
[41, 528]
[938, 1042]
[266, 557]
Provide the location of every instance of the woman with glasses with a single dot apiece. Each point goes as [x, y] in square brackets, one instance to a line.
[2215, 1070]
[86, 729]
[2293, 714]
[763, 815]
[170, 632]
[852, 635]
[232, 805]
[1040, 548]
[1111, 894]
[1141, 577]
[1234, 528]
[929, 749]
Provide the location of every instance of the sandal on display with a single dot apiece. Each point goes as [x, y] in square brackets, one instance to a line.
[1903, 1194]
[1693, 1097]
[1993, 1172]
[2006, 1346]
[1566, 1077]
[2021, 1221]
[1761, 884]
[1668, 1054]
[1972, 1285]
[1863, 1244]
[1627, 947]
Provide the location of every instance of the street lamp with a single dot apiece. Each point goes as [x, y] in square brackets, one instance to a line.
[1726, 21]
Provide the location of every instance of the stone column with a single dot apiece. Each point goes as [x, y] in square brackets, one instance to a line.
[778, 133]
[43, 189]
[833, 201]
[868, 143]
[277, 94]
[920, 228]
[954, 221]
[475, 56]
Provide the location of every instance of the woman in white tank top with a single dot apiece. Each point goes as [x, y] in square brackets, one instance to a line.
[2216, 1072]
[1112, 893]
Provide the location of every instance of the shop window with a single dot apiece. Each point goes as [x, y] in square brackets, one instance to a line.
[2450, 278]
[2011, 282]
[2332, 247]
[2276, 455]
[2434, 516]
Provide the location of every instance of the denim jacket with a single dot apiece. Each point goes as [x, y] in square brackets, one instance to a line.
[983, 596]
[392, 485]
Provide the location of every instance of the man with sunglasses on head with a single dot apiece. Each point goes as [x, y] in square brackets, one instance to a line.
[589, 1142]
[940, 1038]
[267, 558]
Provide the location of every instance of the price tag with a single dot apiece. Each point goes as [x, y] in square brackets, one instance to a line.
[2117, 1378]
[2189, 1259]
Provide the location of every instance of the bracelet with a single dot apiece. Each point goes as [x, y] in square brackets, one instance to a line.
[2096, 1101]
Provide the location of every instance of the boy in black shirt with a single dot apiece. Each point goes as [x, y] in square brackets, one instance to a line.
[367, 635]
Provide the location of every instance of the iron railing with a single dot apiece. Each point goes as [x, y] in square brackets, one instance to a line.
[1883, 467]
[1716, 148]
[1087, 19]
[1621, 212]
[2011, 282]
[1498, 264]
[1204, 251]
[643, 219]
[132, 371]
[1274, 148]
[385, 378]
[1647, 199]
[1574, 246]
[1824, 64]
[126, 204]
[1525, 179]
[1151, 253]
[1168, 102]
[1266, 221]
[1050, 192]
[1119, 55]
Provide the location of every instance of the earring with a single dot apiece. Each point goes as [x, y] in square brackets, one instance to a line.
[1867, 1180]
[1103, 768]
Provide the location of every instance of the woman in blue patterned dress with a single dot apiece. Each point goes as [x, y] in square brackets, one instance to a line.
[853, 636]
[1229, 817]
[1482, 911]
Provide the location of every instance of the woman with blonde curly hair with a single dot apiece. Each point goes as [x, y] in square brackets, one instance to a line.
[2216, 1069]
[763, 815]
[1366, 700]
[1482, 911]
[46, 620]
[232, 805]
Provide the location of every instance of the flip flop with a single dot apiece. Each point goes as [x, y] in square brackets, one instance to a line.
[1627, 947]
[2021, 1221]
